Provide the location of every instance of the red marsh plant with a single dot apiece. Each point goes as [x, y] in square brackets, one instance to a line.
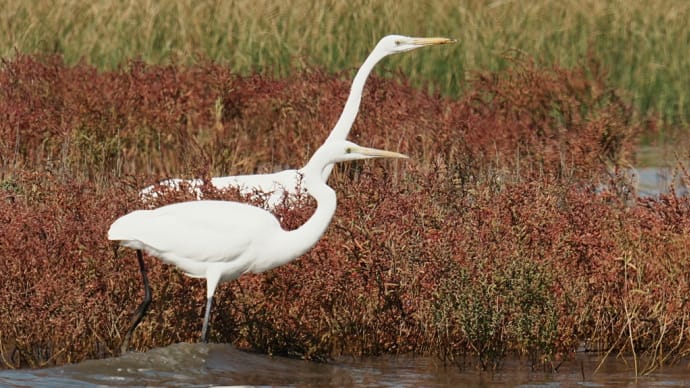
[495, 240]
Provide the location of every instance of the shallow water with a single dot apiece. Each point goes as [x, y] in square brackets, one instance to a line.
[658, 171]
[206, 365]
[652, 181]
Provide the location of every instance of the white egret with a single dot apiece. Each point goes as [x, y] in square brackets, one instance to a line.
[221, 240]
[276, 185]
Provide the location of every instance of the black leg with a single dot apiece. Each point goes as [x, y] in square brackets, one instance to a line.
[141, 310]
[207, 317]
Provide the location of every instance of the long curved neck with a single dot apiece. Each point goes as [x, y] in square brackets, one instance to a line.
[307, 235]
[294, 243]
[347, 117]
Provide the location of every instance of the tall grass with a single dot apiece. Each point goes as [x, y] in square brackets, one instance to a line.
[643, 44]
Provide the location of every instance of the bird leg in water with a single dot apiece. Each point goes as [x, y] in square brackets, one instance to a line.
[141, 310]
[207, 317]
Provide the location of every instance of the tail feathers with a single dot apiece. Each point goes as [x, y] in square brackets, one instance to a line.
[125, 227]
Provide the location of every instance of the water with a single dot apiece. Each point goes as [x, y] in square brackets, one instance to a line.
[652, 181]
[658, 171]
[203, 365]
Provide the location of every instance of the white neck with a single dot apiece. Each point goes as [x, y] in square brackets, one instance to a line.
[290, 245]
[307, 235]
[347, 117]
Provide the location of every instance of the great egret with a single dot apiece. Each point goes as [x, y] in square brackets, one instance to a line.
[276, 185]
[221, 240]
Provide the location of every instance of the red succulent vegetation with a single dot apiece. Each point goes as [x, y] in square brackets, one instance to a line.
[504, 233]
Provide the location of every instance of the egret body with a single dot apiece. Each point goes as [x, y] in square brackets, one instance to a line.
[221, 240]
[287, 181]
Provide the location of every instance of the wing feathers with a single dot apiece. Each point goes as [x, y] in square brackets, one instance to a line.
[203, 231]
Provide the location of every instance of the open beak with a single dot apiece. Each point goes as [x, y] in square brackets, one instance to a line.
[432, 41]
[374, 153]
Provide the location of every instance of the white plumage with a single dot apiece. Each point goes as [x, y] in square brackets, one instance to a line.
[221, 240]
[276, 185]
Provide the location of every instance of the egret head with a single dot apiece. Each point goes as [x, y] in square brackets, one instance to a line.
[335, 151]
[399, 43]
[343, 150]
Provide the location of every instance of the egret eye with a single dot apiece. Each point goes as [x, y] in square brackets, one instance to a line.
[398, 42]
[348, 150]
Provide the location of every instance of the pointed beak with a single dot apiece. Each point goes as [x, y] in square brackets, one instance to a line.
[432, 41]
[375, 153]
